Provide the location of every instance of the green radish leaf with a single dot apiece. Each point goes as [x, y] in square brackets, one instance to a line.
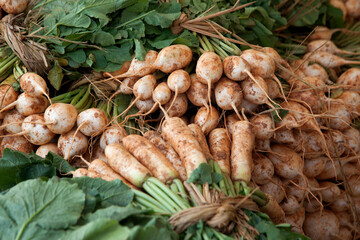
[278, 114]
[115, 213]
[102, 38]
[204, 174]
[164, 15]
[140, 50]
[36, 209]
[104, 229]
[55, 76]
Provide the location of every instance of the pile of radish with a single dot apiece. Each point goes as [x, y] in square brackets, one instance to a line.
[283, 127]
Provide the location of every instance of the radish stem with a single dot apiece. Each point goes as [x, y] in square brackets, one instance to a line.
[159, 195]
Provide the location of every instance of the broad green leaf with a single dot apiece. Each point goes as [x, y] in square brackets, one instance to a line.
[36, 209]
[204, 174]
[115, 212]
[55, 76]
[140, 50]
[59, 163]
[102, 228]
[78, 56]
[154, 229]
[103, 39]
[164, 15]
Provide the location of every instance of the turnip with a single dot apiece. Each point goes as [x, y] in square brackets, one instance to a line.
[43, 150]
[18, 143]
[263, 170]
[325, 46]
[141, 68]
[161, 94]
[283, 135]
[345, 218]
[236, 68]
[173, 57]
[228, 94]
[12, 121]
[273, 89]
[335, 143]
[197, 93]
[14, 6]
[311, 70]
[274, 188]
[328, 60]
[329, 172]
[34, 85]
[353, 8]
[145, 107]
[260, 63]
[323, 225]
[60, 117]
[290, 205]
[350, 77]
[207, 120]
[288, 164]
[352, 100]
[72, 143]
[91, 122]
[256, 91]
[113, 134]
[329, 191]
[274, 55]
[262, 145]
[179, 82]
[209, 69]
[345, 234]
[27, 105]
[314, 166]
[230, 121]
[179, 105]
[262, 126]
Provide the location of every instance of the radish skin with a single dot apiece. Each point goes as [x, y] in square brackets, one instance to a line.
[274, 189]
[220, 148]
[329, 192]
[291, 205]
[8, 95]
[61, 117]
[12, 121]
[313, 167]
[296, 220]
[173, 57]
[263, 170]
[235, 68]
[18, 143]
[206, 121]
[92, 121]
[35, 130]
[139, 68]
[228, 94]
[71, 145]
[13, 6]
[322, 225]
[260, 63]
[273, 210]
[179, 106]
[197, 93]
[199, 135]
[262, 126]
[43, 150]
[113, 134]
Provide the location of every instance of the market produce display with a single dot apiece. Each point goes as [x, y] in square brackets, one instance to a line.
[128, 119]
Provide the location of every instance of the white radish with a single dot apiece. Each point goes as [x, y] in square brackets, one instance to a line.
[60, 117]
[329, 191]
[14, 6]
[325, 46]
[262, 126]
[328, 60]
[126, 86]
[263, 170]
[72, 143]
[34, 85]
[275, 56]
[260, 63]
[220, 148]
[353, 8]
[339, 116]
[236, 68]
[8, 95]
[12, 121]
[230, 122]
[248, 106]
[255, 91]
[179, 105]
[228, 94]
[179, 82]
[161, 93]
[290, 205]
[313, 167]
[27, 105]
[43, 150]
[92, 121]
[35, 130]
[197, 93]
[350, 77]
[341, 203]
[311, 70]
[262, 145]
[353, 140]
[273, 88]
[173, 57]
[297, 187]
[284, 135]
[274, 188]
[354, 183]
[322, 32]
[323, 225]
[18, 143]
[141, 68]
[207, 120]
[113, 134]
[351, 100]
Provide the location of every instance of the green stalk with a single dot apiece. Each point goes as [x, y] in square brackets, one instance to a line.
[203, 45]
[229, 181]
[174, 188]
[135, 19]
[207, 42]
[178, 200]
[78, 96]
[9, 64]
[245, 187]
[222, 183]
[182, 190]
[220, 51]
[259, 201]
[225, 46]
[65, 95]
[237, 187]
[147, 204]
[161, 197]
[88, 105]
[6, 61]
[204, 235]
[83, 100]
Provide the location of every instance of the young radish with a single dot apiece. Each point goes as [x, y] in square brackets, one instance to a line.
[72, 143]
[352, 136]
[263, 169]
[228, 94]
[230, 122]
[339, 116]
[43, 150]
[12, 121]
[145, 107]
[8, 95]
[262, 126]
[340, 5]
[322, 32]
[27, 105]
[91, 122]
[220, 148]
[297, 187]
[197, 93]
[290, 205]
[209, 69]
[18, 143]
[34, 85]
[172, 58]
[199, 135]
[352, 100]
[13, 7]
[354, 183]
[207, 120]
[353, 8]
[179, 82]
[310, 69]
[168, 151]
[151, 157]
[126, 86]
[329, 191]
[113, 134]
[296, 220]
[274, 188]
[60, 117]
[323, 225]
[260, 63]
[328, 60]
[178, 106]
[326, 46]
[349, 78]
[179, 135]
[273, 210]
[236, 68]
[314, 166]
[34, 129]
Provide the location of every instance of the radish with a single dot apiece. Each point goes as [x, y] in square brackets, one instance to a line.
[328, 60]
[296, 220]
[14, 6]
[274, 188]
[207, 120]
[345, 234]
[345, 219]
[335, 143]
[353, 8]
[126, 86]
[340, 5]
[350, 77]
[288, 164]
[274, 55]
[220, 148]
[35, 130]
[209, 69]
[322, 32]
[27, 105]
[43, 150]
[113, 134]
[290, 205]
[339, 116]
[168, 151]
[12, 121]
[262, 126]
[329, 172]
[139, 68]
[230, 122]
[261, 64]
[236, 68]
[354, 183]
[145, 106]
[179, 135]
[123, 69]
[248, 106]
[199, 135]
[18, 143]
[161, 94]
[255, 91]
[325, 46]
[60, 117]
[311, 70]
[197, 93]
[273, 89]
[228, 94]
[243, 141]
[297, 187]
[341, 203]
[283, 135]
[313, 167]
[72, 143]
[262, 145]
[91, 122]
[179, 105]
[323, 225]
[179, 82]
[329, 191]
[273, 210]
[173, 57]
[263, 170]
[97, 153]
[34, 85]
[8, 95]
[351, 100]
